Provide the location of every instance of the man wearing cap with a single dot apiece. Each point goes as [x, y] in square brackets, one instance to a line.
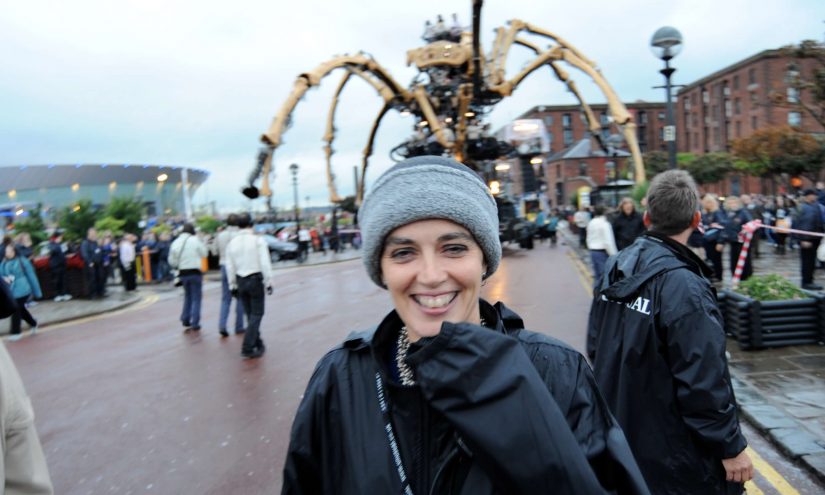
[809, 219]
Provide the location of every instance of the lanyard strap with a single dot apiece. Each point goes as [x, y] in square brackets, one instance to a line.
[396, 453]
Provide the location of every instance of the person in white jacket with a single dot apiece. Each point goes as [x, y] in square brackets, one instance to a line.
[249, 271]
[185, 255]
[600, 242]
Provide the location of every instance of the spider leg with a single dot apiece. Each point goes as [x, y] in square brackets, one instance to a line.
[360, 65]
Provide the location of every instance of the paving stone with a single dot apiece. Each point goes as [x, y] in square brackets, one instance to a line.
[772, 364]
[797, 442]
[815, 463]
[767, 417]
[808, 362]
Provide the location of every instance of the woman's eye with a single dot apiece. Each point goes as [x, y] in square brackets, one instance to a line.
[455, 249]
[400, 254]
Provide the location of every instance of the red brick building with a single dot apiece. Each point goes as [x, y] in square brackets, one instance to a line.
[735, 101]
[566, 123]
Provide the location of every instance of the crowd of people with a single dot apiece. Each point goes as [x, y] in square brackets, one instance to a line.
[604, 233]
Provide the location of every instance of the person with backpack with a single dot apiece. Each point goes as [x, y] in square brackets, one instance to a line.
[18, 273]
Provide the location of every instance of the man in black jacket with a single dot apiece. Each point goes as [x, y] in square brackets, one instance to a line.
[809, 219]
[92, 255]
[57, 266]
[656, 341]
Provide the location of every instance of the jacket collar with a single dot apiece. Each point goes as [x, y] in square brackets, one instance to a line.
[684, 253]
[381, 340]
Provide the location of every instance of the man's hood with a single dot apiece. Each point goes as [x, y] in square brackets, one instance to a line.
[648, 257]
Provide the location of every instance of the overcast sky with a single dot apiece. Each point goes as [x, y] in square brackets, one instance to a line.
[195, 83]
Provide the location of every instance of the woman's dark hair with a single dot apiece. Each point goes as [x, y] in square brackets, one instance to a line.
[189, 228]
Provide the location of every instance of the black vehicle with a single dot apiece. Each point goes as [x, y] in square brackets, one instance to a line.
[511, 227]
[281, 251]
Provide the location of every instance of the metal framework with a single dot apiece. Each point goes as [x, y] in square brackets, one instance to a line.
[455, 87]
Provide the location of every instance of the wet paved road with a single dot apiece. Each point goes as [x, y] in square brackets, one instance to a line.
[127, 403]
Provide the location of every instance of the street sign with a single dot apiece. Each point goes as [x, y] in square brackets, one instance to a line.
[670, 133]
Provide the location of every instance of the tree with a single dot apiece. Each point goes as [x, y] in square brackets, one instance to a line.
[33, 225]
[710, 167]
[777, 151]
[348, 204]
[809, 86]
[129, 210]
[77, 219]
[207, 224]
[110, 224]
[655, 162]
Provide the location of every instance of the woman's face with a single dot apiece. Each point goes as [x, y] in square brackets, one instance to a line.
[433, 270]
[10, 253]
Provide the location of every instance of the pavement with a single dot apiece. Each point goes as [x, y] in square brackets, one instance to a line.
[49, 313]
[780, 391]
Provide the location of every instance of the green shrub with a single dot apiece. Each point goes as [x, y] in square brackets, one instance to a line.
[110, 224]
[770, 288]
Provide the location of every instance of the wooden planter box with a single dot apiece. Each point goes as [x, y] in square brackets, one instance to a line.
[760, 324]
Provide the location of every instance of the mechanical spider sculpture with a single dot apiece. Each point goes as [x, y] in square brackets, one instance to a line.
[455, 87]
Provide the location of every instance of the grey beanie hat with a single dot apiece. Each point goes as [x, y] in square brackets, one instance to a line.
[428, 187]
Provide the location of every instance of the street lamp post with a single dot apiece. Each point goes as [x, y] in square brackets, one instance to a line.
[666, 44]
[293, 169]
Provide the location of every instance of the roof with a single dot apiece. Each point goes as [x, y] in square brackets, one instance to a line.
[738, 65]
[26, 177]
[573, 107]
[583, 149]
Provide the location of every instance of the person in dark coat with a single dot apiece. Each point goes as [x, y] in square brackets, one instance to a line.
[737, 216]
[57, 267]
[713, 224]
[627, 224]
[449, 394]
[92, 255]
[809, 219]
[657, 344]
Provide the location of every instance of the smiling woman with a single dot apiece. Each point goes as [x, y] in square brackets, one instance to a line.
[449, 394]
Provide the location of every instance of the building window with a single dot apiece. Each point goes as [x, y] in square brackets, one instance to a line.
[558, 171]
[565, 120]
[687, 140]
[725, 89]
[550, 138]
[643, 118]
[548, 120]
[737, 106]
[728, 108]
[568, 137]
[754, 97]
[705, 96]
[661, 115]
[603, 120]
[753, 123]
[583, 168]
[694, 119]
[794, 119]
[687, 104]
[793, 95]
[738, 129]
[736, 82]
[752, 76]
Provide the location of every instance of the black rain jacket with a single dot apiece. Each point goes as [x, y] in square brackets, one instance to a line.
[657, 344]
[626, 228]
[496, 410]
